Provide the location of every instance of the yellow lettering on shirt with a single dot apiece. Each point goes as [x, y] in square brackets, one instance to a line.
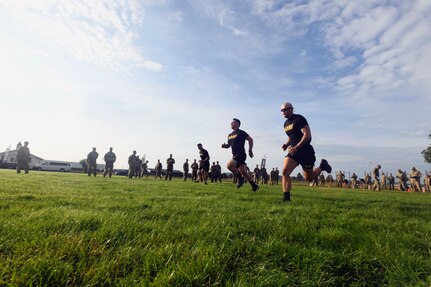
[232, 137]
[288, 128]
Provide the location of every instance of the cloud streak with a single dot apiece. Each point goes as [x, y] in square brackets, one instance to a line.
[99, 32]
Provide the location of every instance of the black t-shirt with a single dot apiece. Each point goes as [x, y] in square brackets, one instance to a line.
[293, 126]
[170, 163]
[204, 154]
[236, 140]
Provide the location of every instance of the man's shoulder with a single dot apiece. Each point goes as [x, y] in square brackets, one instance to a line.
[242, 132]
[295, 118]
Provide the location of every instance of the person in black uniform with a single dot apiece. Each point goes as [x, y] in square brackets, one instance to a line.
[170, 167]
[237, 165]
[186, 169]
[204, 163]
[158, 169]
[300, 151]
[194, 166]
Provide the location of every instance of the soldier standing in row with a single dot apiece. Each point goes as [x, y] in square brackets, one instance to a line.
[271, 176]
[415, 180]
[391, 181]
[321, 180]
[138, 167]
[340, 178]
[383, 180]
[354, 180]
[376, 178]
[402, 180]
[91, 162]
[170, 167]
[132, 164]
[367, 181]
[109, 158]
[23, 158]
[263, 175]
[427, 182]
[256, 173]
[213, 172]
[145, 168]
[186, 169]
[158, 169]
[218, 176]
[194, 166]
[276, 175]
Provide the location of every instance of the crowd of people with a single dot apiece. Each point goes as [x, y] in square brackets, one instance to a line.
[299, 152]
[402, 181]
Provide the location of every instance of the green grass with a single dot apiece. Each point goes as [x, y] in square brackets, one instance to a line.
[61, 229]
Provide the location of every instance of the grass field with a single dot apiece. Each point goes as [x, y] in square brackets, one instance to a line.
[60, 229]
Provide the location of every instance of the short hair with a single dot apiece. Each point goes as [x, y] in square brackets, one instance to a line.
[238, 121]
[199, 144]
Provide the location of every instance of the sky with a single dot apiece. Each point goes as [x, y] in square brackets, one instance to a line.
[161, 76]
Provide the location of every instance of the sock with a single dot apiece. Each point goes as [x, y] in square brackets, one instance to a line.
[286, 195]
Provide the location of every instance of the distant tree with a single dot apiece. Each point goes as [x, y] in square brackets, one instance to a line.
[84, 165]
[427, 153]
[299, 177]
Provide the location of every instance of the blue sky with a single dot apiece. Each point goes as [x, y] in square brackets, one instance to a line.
[160, 76]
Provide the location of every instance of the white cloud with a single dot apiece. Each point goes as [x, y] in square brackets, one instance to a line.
[100, 32]
[226, 16]
[392, 38]
[394, 42]
[344, 62]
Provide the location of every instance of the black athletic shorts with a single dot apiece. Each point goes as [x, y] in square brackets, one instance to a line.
[305, 156]
[205, 166]
[240, 159]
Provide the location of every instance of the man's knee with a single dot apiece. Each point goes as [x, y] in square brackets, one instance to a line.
[231, 165]
[286, 172]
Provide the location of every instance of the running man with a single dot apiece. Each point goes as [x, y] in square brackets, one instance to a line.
[300, 151]
[237, 165]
